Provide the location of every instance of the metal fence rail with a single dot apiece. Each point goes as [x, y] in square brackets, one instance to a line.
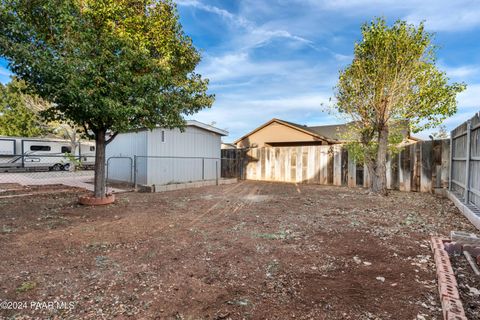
[163, 170]
[44, 162]
[465, 162]
[45, 169]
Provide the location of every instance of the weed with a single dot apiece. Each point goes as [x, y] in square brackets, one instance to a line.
[282, 235]
[104, 262]
[26, 286]
[272, 268]
[7, 229]
[98, 246]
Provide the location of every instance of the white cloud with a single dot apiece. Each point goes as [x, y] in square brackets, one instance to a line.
[446, 15]
[255, 35]
[212, 9]
[470, 98]
[440, 15]
[5, 72]
[237, 66]
[461, 72]
[239, 113]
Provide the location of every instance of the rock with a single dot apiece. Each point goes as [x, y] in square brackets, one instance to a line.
[473, 291]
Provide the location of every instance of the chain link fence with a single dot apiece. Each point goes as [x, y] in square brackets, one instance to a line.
[41, 169]
[131, 172]
[122, 173]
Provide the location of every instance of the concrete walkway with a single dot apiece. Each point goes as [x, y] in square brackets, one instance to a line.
[78, 179]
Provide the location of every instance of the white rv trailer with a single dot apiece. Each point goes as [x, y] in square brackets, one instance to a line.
[42, 153]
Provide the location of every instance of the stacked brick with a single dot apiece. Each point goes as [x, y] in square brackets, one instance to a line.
[447, 284]
[465, 241]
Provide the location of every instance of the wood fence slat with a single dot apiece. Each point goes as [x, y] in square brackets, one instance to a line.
[317, 177]
[352, 172]
[421, 166]
[337, 165]
[426, 171]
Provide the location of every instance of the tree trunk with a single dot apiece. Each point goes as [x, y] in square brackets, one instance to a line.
[99, 185]
[380, 178]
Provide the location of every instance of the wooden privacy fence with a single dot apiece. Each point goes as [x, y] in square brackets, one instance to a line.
[465, 159]
[421, 166]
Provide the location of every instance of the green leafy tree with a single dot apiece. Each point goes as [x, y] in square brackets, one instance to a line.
[19, 112]
[106, 65]
[392, 78]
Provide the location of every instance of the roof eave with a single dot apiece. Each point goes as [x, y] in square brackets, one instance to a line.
[288, 125]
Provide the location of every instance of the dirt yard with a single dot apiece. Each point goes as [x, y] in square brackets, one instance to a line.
[243, 251]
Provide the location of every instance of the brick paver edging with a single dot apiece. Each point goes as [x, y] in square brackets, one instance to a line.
[447, 284]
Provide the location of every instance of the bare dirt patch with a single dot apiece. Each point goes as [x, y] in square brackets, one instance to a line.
[243, 251]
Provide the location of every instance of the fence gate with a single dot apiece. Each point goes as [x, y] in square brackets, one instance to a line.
[122, 169]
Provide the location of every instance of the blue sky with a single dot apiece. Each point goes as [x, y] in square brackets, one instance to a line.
[281, 58]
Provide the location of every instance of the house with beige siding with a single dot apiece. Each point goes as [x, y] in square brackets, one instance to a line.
[281, 133]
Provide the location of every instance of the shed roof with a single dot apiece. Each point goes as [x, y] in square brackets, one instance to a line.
[207, 127]
[193, 123]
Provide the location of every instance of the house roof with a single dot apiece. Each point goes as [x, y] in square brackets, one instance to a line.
[317, 132]
[333, 131]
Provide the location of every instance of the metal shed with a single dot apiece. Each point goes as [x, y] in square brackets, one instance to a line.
[165, 156]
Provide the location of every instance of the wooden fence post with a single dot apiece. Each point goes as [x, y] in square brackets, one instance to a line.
[467, 163]
[426, 169]
[445, 163]
[366, 177]
[337, 165]
[352, 171]
[451, 162]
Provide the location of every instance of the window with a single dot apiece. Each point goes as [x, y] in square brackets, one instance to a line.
[163, 135]
[66, 149]
[40, 148]
[92, 148]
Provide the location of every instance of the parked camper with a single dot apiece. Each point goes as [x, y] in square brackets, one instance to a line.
[36, 153]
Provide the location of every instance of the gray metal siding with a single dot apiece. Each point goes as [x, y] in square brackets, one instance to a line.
[193, 142]
[127, 145]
